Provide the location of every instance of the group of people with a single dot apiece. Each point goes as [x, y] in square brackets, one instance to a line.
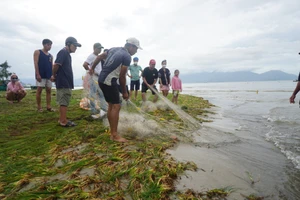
[150, 75]
[106, 78]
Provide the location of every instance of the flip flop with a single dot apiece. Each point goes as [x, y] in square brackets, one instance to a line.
[68, 124]
[50, 110]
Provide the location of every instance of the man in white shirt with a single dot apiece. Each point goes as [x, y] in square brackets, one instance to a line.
[95, 93]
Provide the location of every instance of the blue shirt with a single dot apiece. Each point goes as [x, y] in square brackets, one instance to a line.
[116, 58]
[45, 65]
[64, 74]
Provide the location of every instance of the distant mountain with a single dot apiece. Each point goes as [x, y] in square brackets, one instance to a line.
[240, 76]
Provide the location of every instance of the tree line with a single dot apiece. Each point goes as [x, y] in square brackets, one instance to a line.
[4, 73]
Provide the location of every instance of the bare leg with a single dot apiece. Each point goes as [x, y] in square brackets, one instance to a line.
[48, 97]
[130, 94]
[155, 98]
[10, 96]
[176, 98]
[136, 93]
[63, 114]
[38, 97]
[113, 117]
[144, 96]
[21, 95]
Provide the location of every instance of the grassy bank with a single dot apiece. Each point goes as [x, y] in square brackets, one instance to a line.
[40, 159]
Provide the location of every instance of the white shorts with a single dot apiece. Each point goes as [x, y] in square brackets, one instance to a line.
[44, 83]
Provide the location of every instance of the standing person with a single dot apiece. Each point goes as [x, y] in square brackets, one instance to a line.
[62, 74]
[95, 93]
[150, 76]
[115, 68]
[176, 86]
[14, 91]
[43, 62]
[164, 78]
[135, 76]
[297, 89]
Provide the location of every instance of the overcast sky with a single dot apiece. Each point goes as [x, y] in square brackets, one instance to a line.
[193, 35]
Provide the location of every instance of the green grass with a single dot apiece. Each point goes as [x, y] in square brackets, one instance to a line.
[41, 160]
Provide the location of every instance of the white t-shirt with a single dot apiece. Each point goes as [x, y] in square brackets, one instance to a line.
[90, 60]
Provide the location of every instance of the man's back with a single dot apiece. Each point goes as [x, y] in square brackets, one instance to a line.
[116, 58]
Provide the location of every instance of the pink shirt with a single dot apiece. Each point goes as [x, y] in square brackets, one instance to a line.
[14, 87]
[176, 83]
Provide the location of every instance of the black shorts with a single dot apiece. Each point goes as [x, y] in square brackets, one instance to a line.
[111, 93]
[145, 88]
[135, 84]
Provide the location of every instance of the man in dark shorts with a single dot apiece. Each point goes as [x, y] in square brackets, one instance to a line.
[134, 76]
[62, 74]
[150, 76]
[115, 68]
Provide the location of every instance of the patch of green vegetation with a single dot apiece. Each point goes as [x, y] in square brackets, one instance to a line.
[41, 160]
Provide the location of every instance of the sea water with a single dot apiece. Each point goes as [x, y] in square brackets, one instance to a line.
[257, 130]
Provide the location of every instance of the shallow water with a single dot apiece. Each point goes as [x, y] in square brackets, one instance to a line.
[255, 135]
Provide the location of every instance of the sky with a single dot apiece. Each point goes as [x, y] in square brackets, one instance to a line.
[192, 35]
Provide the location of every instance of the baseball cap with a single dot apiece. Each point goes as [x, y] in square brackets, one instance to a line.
[98, 46]
[72, 40]
[135, 59]
[152, 62]
[134, 42]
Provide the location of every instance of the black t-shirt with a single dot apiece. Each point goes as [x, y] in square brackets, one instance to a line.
[164, 75]
[150, 75]
[64, 74]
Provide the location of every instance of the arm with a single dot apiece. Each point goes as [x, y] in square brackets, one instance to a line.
[128, 73]
[54, 71]
[297, 89]
[98, 59]
[122, 79]
[86, 66]
[36, 55]
[141, 72]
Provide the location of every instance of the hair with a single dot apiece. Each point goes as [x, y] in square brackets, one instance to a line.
[176, 70]
[163, 61]
[14, 75]
[46, 41]
[105, 50]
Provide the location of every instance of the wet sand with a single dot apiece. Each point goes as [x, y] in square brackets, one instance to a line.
[227, 156]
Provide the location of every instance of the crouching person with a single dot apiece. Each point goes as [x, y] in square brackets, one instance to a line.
[15, 91]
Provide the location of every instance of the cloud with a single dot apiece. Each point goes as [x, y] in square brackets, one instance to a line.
[192, 35]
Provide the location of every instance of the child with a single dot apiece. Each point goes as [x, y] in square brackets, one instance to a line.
[176, 86]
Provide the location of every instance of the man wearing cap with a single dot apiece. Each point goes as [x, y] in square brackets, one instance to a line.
[150, 75]
[95, 93]
[115, 67]
[135, 76]
[43, 62]
[62, 74]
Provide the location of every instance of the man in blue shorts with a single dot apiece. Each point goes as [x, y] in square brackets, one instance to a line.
[43, 62]
[62, 74]
[135, 76]
[115, 67]
[150, 76]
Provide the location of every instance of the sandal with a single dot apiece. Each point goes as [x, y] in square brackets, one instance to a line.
[68, 124]
[50, 110]
[40, 110]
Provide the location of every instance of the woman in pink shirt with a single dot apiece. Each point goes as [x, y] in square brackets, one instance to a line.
[176, 86]
[15, 91]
